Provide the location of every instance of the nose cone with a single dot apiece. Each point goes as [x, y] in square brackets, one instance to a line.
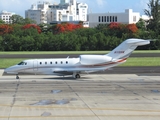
[10, 70]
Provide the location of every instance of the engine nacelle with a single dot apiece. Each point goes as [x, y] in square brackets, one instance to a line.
[94, 59]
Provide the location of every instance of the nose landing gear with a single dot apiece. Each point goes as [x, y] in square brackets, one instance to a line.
[17, 77]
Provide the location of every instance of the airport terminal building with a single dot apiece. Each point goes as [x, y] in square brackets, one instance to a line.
[127, 17]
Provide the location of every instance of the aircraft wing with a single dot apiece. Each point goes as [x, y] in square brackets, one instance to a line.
[71, 70]
[66, 70]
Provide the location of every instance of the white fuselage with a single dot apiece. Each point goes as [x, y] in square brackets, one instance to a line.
[66, 66]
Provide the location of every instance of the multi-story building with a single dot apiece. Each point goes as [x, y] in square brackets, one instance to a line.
[71, 11]
[128, 17]
[38, 12]
[66, 10]
[5, 16]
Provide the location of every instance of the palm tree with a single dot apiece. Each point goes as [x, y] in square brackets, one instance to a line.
[154, 14]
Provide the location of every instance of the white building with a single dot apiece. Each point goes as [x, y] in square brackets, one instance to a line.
[145, 17]
[38, 12]
[66, 10]
[5, 16]
[128, 17]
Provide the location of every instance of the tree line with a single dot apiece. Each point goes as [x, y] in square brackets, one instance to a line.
[25, 35]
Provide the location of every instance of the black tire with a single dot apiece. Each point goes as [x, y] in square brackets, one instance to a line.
[17, 77]
[78, 76]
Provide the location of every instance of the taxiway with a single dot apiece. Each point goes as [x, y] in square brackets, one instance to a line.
[93, 97]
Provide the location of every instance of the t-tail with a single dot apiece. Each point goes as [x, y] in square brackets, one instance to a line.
[125, 49]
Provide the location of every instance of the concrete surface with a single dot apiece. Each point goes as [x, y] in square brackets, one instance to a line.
[93, 97]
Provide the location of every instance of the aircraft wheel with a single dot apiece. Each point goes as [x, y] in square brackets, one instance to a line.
[17, 77]
[78, 76]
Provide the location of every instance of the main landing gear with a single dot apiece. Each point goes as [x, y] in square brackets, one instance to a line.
[17, 77]
[76, 75]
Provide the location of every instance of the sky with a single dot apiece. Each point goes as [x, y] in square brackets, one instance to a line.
[95, 6]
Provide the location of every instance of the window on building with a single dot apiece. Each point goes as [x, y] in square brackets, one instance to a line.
[134, 18]
[107, 18]
[110, 18]
[104, 18]
[99, 19]
[115, 18]
[64, 17]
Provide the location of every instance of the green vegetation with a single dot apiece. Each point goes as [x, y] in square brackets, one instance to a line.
[144, 61]
[31, 37]
[71, 52]
[4, 63]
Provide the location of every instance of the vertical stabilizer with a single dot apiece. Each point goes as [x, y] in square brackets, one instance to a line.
[126, 48]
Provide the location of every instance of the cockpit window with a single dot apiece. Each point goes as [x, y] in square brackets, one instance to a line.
[22, 63]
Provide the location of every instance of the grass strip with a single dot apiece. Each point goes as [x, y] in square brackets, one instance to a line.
[4, 63]
[71, 52]
[144, 61]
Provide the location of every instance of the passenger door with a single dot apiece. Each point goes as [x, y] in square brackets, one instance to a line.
[35, 65]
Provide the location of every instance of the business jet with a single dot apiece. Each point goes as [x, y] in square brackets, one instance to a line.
[82, 64]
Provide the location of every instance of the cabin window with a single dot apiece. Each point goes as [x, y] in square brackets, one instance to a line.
[61, 62]
[22, 63]
[56, 62]
[40, 63]
[46, 63]
[50, 62]
[66, 62]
